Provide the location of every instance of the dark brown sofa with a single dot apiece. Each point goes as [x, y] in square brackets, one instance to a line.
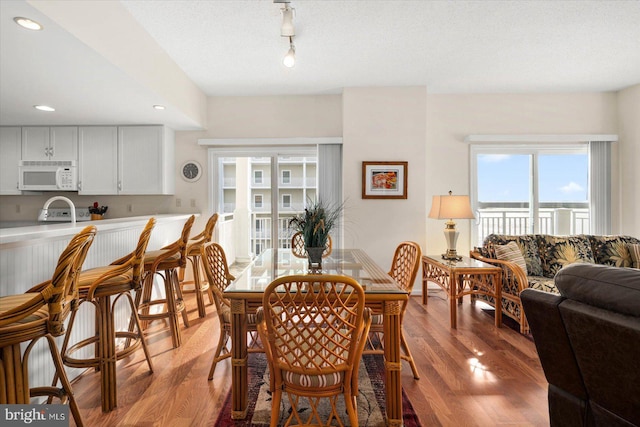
[588, 340]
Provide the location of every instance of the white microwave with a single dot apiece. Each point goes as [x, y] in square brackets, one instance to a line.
[48, 175]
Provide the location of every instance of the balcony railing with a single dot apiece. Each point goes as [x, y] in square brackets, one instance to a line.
[551, 220]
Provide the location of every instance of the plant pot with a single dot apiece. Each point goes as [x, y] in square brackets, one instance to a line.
[315, 259]
[96, 217]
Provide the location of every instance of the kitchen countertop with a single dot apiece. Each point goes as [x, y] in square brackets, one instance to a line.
[48, 230]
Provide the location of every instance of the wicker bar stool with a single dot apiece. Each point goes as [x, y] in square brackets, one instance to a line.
[98, 286]
[404, 268]
[40, 313]
[165, 263]
[193, 256]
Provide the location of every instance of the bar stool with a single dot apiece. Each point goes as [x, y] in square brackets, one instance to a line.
[165, 262]
[40, 313]
[97, 286]
[193, 256]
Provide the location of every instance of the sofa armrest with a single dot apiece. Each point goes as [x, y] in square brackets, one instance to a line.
[514, 279]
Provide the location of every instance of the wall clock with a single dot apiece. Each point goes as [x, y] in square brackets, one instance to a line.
[191, 171]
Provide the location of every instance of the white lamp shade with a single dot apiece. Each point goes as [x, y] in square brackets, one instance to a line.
[451, 207]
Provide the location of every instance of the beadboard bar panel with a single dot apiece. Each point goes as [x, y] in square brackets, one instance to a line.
[25, 262]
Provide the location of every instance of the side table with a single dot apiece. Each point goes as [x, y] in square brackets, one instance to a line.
[465, 277]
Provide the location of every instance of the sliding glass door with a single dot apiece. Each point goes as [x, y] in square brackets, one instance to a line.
[523, 190]
[262, 191]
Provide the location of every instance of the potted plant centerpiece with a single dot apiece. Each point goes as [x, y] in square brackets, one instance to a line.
[97, 212]
[315, 224]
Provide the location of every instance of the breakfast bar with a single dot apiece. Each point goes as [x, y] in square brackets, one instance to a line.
[28, 256]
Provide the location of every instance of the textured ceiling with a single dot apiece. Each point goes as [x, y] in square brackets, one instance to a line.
[234, 47]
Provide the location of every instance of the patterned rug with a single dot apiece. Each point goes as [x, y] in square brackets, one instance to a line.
[371, 401]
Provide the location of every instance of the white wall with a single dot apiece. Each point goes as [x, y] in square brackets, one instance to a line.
[629, 150]
[450, 118]
[384, 124]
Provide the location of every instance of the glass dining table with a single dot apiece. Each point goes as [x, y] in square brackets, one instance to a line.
[382, 296]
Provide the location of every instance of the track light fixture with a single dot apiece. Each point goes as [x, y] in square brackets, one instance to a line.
[290, 58]
[288, 30]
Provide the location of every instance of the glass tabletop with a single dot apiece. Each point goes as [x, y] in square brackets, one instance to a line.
[348, 262]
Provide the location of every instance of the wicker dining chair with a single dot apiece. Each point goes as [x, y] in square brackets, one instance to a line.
[299, 250]
[97, 286]
[216, 269]
[404, 269]
[41, 313]
[314, 328]
[194, 246]
[165, 263]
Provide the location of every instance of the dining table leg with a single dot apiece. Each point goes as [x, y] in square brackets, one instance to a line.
[239, 375]
[392, 361]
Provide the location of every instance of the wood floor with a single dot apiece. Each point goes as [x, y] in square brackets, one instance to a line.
[477, 375]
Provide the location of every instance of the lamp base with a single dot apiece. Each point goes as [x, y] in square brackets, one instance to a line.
[451, 255]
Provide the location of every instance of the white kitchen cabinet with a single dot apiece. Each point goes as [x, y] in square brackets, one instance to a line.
[146, 160]
[50, 143]
[98, 160]
[10, 153]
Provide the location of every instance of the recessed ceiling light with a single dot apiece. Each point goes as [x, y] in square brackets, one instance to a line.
[159, 107]
[27, 23]
[44, 108]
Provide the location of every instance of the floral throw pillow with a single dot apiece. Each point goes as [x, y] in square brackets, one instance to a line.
[557, 251]
[511, 252]
[634, 252]
[528, 247]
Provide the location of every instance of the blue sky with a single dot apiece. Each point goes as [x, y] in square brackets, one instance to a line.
[502, 177]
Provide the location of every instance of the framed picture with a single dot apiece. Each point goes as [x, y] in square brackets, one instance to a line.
[384, 180]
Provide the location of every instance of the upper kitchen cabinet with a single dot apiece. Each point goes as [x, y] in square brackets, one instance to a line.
[98, 160]
[50, 143]
[10, 152]
[146, 159]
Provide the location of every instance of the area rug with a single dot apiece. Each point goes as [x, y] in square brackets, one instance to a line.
[371, 401]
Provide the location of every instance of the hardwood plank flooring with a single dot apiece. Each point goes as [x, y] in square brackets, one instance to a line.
[476, 375]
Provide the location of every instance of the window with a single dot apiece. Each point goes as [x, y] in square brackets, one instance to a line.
[532, 189]
[286, 177]
[257, 200]
[257, 177]
[286, 200]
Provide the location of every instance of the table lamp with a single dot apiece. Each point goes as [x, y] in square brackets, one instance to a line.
[451, 207]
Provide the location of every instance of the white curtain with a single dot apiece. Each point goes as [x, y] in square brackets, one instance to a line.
[330, 182]
[600, 187]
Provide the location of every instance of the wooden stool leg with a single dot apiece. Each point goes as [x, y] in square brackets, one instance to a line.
[195, 263]
[66, 386]
[172, 309]
[179, 301]
[107, 354]
[136, 321]
[216, 357]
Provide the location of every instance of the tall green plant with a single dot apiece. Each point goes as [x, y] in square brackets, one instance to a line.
[316, 222]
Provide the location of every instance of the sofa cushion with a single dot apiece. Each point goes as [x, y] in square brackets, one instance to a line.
[511, 252]
[559, 251]
[634, 252]
[542, 283]
[610, 288]
[526, 243]
[612, 250]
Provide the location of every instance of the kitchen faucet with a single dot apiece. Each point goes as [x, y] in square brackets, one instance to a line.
[72, 207]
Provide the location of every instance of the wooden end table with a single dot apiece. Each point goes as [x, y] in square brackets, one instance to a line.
[464, 277]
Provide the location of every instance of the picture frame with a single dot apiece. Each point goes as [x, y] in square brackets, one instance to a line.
[384, 180]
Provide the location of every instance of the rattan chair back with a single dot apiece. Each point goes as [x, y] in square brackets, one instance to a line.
[405, 264]
[217, 271]
[314, 327]
[64, 293]
[299, 250]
